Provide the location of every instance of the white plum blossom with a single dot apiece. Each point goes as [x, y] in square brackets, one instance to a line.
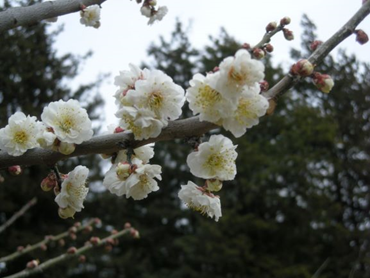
[73, 191]
[157, 14]
[214, 159]
[20, 134]
[205, 100]
[90, 16]
[237, 72]
[197, 199]
[251, 106]
[144, 153]
[141, 122]
[46, 137]
[68, 120]
[126, 81]
[158, 93]
[136, 180]
[146, 11]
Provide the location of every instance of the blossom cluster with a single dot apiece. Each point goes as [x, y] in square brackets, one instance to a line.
[132, 175]
[63, 125]
[147, 100]
[214, 161]
[230, 97]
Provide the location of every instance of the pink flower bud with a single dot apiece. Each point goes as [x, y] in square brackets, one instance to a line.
[258, 53]
[127, 225]
[288, 35]
[72, 236]
[264, 85]
[72, 250]
[32, 264]
[246, 46]
[315, 44]
[269, 48]
[20, 248]
[94, 240]
[77, 224]
[15, 170]
[361, 37]
[323, 82]
[285, 21]
[43, 247]
[49, 182]
[302, 68]
[114, 232]
[72, 230]
[134, 233]
[61, 242]
[271, 26]
[88, 229]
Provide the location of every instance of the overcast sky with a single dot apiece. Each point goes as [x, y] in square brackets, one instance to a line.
[124, 36]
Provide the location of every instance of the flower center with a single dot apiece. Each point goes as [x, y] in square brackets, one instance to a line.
[245, 110]
[66, 124]
[238, 77]
[215, 162]
[201, 209]
[155, 100]
[20, 137]
[207, 97]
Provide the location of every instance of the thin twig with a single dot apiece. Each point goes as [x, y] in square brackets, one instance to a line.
[18, 214]
[64, 257]
[47, 240]
[321, 268]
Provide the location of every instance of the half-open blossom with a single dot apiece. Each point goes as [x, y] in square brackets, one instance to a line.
[214, 159]
[68, 120]
[20, 134]
[74, 191]
[251, 106]
[90, 16]
[237, 72]
[197, 199]
[205, 100]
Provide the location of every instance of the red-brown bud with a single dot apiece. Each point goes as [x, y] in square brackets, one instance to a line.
[288, 35]
[269, 48]
[127, 225]
[118, 129]
[246, 46]
[49, 182]
[258, 53]
[72, 250]
[315, 44]
[15, 170]
[264, 85]
[302, 68]
[94, 240]
[323, 82]
[361, 37]
[285, 21]
[271, 26]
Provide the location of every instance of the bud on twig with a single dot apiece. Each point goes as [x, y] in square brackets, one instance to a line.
[269, 48]
[32, 264]
[258, 53]
[72, 250]
[264, 85]
[302, 68]
[285, 21]
[271, 26]
[288, 35]
[315, 44]
[15, 170]
[361, 37]
[323, 82]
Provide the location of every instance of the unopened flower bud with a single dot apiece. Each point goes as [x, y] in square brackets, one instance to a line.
[97, 221]
[269, 48]
[15, 170]
[285, 21]
[127, 225]
[134, 233]
[32, 264]
[258, 53]
[152, 3]
[323, 82]
[72, 250]
[66, 148]
[271, 26]
[118, 129]
[315, 44]
[20, 248]
[123, 170]
[114, 232]
[43, 247]
[77, 224]
[67, 212]
[246, 46]
[288, 35]
[213, 185]
[264, 85]
[109, 241]
[302, 68]
[61, 242]
[72, 236]
[72, 230]
[82, 258]
[49, 182]
[361, 37]
[88, 229]
[94, 240]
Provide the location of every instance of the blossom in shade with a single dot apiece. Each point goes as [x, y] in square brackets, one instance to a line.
[141, 122]
[214, 159]
[251, 106]
[20, 134]
[74, 191]
[205, 100]
[69, 122]
[237, 72]
[196, 198]
[90, 16]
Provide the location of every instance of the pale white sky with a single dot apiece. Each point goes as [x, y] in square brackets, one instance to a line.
[124, 36]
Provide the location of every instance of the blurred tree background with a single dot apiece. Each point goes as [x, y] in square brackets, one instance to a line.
[299, 206]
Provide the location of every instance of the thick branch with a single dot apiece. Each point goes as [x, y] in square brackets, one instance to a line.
[322, 51]
[23, 16]
[18, 214]
[107, 144]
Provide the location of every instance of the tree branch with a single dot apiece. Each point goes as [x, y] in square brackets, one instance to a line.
[66, 256]
[45, 241]
[22, 16]
[322, 51]
[18, 214]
